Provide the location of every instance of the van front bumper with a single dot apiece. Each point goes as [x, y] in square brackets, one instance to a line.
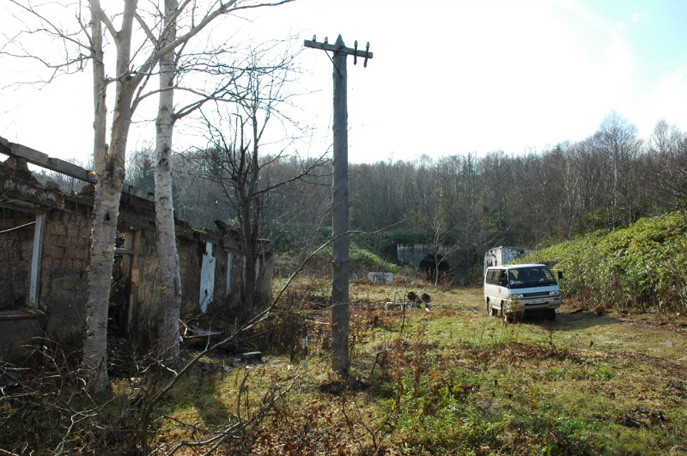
[515, 305]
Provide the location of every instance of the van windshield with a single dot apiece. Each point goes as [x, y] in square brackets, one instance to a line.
[537, 276]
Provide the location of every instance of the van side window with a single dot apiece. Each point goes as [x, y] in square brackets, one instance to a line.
[497, 277]
[493, 277]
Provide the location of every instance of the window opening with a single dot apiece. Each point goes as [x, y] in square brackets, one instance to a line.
[207, 278]
[121, 287]
[21, 239]
[229, 261]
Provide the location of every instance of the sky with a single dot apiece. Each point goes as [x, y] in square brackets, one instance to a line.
[447, 77]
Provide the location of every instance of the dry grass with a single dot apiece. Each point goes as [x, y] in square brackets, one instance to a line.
[437, 379]
[453, 381]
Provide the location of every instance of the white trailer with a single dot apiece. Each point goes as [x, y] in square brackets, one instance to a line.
[500, 256]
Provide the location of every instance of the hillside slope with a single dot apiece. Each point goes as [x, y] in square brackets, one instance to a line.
[643, 266]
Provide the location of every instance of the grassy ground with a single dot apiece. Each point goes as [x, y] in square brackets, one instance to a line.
[424, 380]
[445, 380]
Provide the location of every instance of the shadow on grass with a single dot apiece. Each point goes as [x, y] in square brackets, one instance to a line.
[572, 321]
[200, 394]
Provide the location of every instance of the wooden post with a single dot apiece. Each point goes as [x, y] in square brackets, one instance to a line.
[340, 245]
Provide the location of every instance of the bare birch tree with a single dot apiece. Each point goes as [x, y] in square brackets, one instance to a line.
[137, 53]
[617, 138]
[110, 172]
[434, 217]
[235, 160]
[170, 274]
[668, 147]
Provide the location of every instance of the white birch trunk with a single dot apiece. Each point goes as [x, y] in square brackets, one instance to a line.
[110, 177]
[170, 277]
[95, 342]
[110, 171]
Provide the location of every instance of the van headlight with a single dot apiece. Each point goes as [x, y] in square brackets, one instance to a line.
[519, 296]
[554, 293]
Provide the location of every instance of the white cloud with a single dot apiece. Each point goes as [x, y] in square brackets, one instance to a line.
[667, 100]
[449, 77]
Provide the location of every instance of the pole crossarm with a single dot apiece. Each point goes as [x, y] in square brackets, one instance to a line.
[340, 48]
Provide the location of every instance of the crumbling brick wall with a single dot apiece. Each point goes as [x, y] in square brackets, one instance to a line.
[15, 247]
[62, 291]
[58, 312]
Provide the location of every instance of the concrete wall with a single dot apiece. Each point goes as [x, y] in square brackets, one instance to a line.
[412, 254]
[421, 257]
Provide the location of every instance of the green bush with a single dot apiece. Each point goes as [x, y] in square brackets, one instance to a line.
[637, 267]
[363, 257]
[360, 257]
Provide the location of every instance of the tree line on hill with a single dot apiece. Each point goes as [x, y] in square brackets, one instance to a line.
[471, 202]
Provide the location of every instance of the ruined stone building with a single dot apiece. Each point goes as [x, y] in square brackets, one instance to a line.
[44, 257]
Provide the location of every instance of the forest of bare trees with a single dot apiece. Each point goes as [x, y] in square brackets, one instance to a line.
[471, 202]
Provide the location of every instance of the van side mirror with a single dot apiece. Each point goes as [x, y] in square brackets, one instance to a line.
[559, 274]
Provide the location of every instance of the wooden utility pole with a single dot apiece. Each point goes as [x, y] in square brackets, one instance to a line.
[340, 246]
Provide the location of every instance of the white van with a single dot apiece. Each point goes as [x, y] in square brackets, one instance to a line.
[521, 288]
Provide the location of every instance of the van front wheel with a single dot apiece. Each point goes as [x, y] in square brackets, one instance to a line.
[507, 316]
[490, 309]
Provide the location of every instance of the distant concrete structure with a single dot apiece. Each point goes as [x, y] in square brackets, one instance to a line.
[414, 254]
[381, 278]
[411, 254]
[498, 256]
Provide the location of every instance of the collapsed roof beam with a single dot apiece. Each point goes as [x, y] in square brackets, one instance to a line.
[55, 164]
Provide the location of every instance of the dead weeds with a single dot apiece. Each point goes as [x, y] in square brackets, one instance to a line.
[445, 381]
[516, 352]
